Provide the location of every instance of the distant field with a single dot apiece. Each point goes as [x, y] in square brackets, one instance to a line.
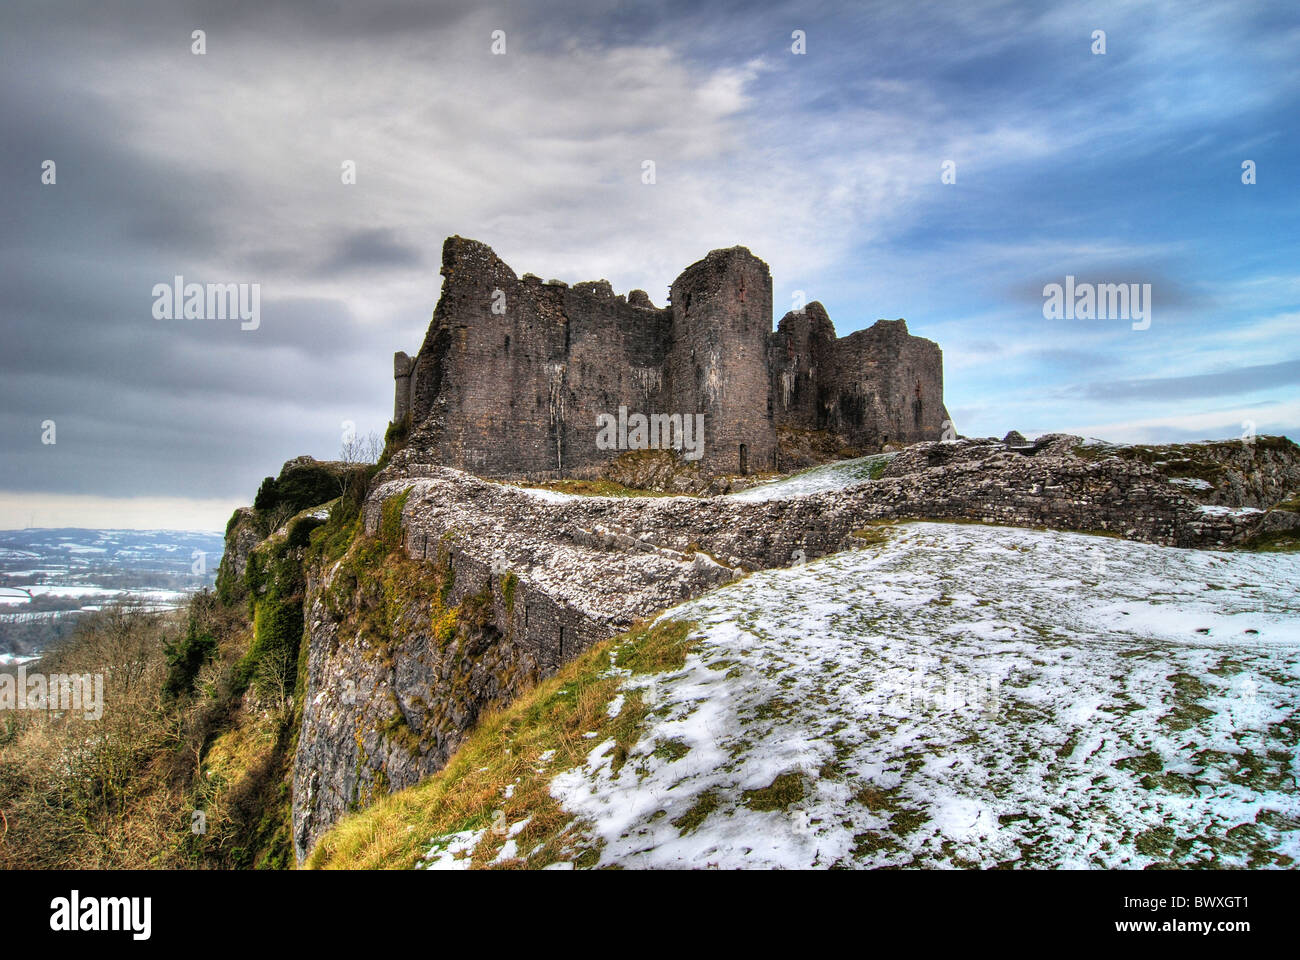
[48, 578]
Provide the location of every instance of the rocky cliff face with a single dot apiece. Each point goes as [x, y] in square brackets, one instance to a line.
[460, 592]
[405, 656]
[243, 534]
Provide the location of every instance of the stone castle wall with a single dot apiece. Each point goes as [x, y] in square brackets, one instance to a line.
[514, 372]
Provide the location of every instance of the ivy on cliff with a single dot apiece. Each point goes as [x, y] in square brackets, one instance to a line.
[186, 655]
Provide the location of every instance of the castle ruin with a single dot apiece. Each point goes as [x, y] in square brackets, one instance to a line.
[516, 374]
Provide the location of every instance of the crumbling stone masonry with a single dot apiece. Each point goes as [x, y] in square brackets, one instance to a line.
[514, 372]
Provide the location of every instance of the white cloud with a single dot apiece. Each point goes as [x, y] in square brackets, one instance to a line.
[20, 510]
[1216, 424]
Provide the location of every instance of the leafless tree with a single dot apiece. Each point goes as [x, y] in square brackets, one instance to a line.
[360, 450]
[357, 453]
[278, 516]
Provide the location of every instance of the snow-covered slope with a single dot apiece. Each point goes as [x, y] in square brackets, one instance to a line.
[823, 479]
[969, 696]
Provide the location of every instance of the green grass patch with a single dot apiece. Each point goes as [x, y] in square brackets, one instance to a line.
[660, 648]
[1276, 541]
[872, 536]
[1290, 505]
[705, 804]
[786, 789]
[671, 750]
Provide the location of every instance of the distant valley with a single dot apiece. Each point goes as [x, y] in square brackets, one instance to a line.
[50, 577]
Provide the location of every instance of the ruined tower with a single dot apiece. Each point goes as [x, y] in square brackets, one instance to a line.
[874, 387]
[721, 321]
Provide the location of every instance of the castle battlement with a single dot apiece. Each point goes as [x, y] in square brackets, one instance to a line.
[515, 374]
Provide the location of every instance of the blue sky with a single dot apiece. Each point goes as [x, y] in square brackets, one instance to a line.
[1122, 167]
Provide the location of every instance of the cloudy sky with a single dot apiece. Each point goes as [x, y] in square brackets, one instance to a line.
[226, 167]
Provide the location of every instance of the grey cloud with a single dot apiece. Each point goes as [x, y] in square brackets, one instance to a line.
[365, 250]
[1223, 383]
[143, 406]
[290, 18]
[1167, 289]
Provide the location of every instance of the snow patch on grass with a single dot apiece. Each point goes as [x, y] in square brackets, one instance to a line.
[453, 851]
[823, 479]
[970, 696]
